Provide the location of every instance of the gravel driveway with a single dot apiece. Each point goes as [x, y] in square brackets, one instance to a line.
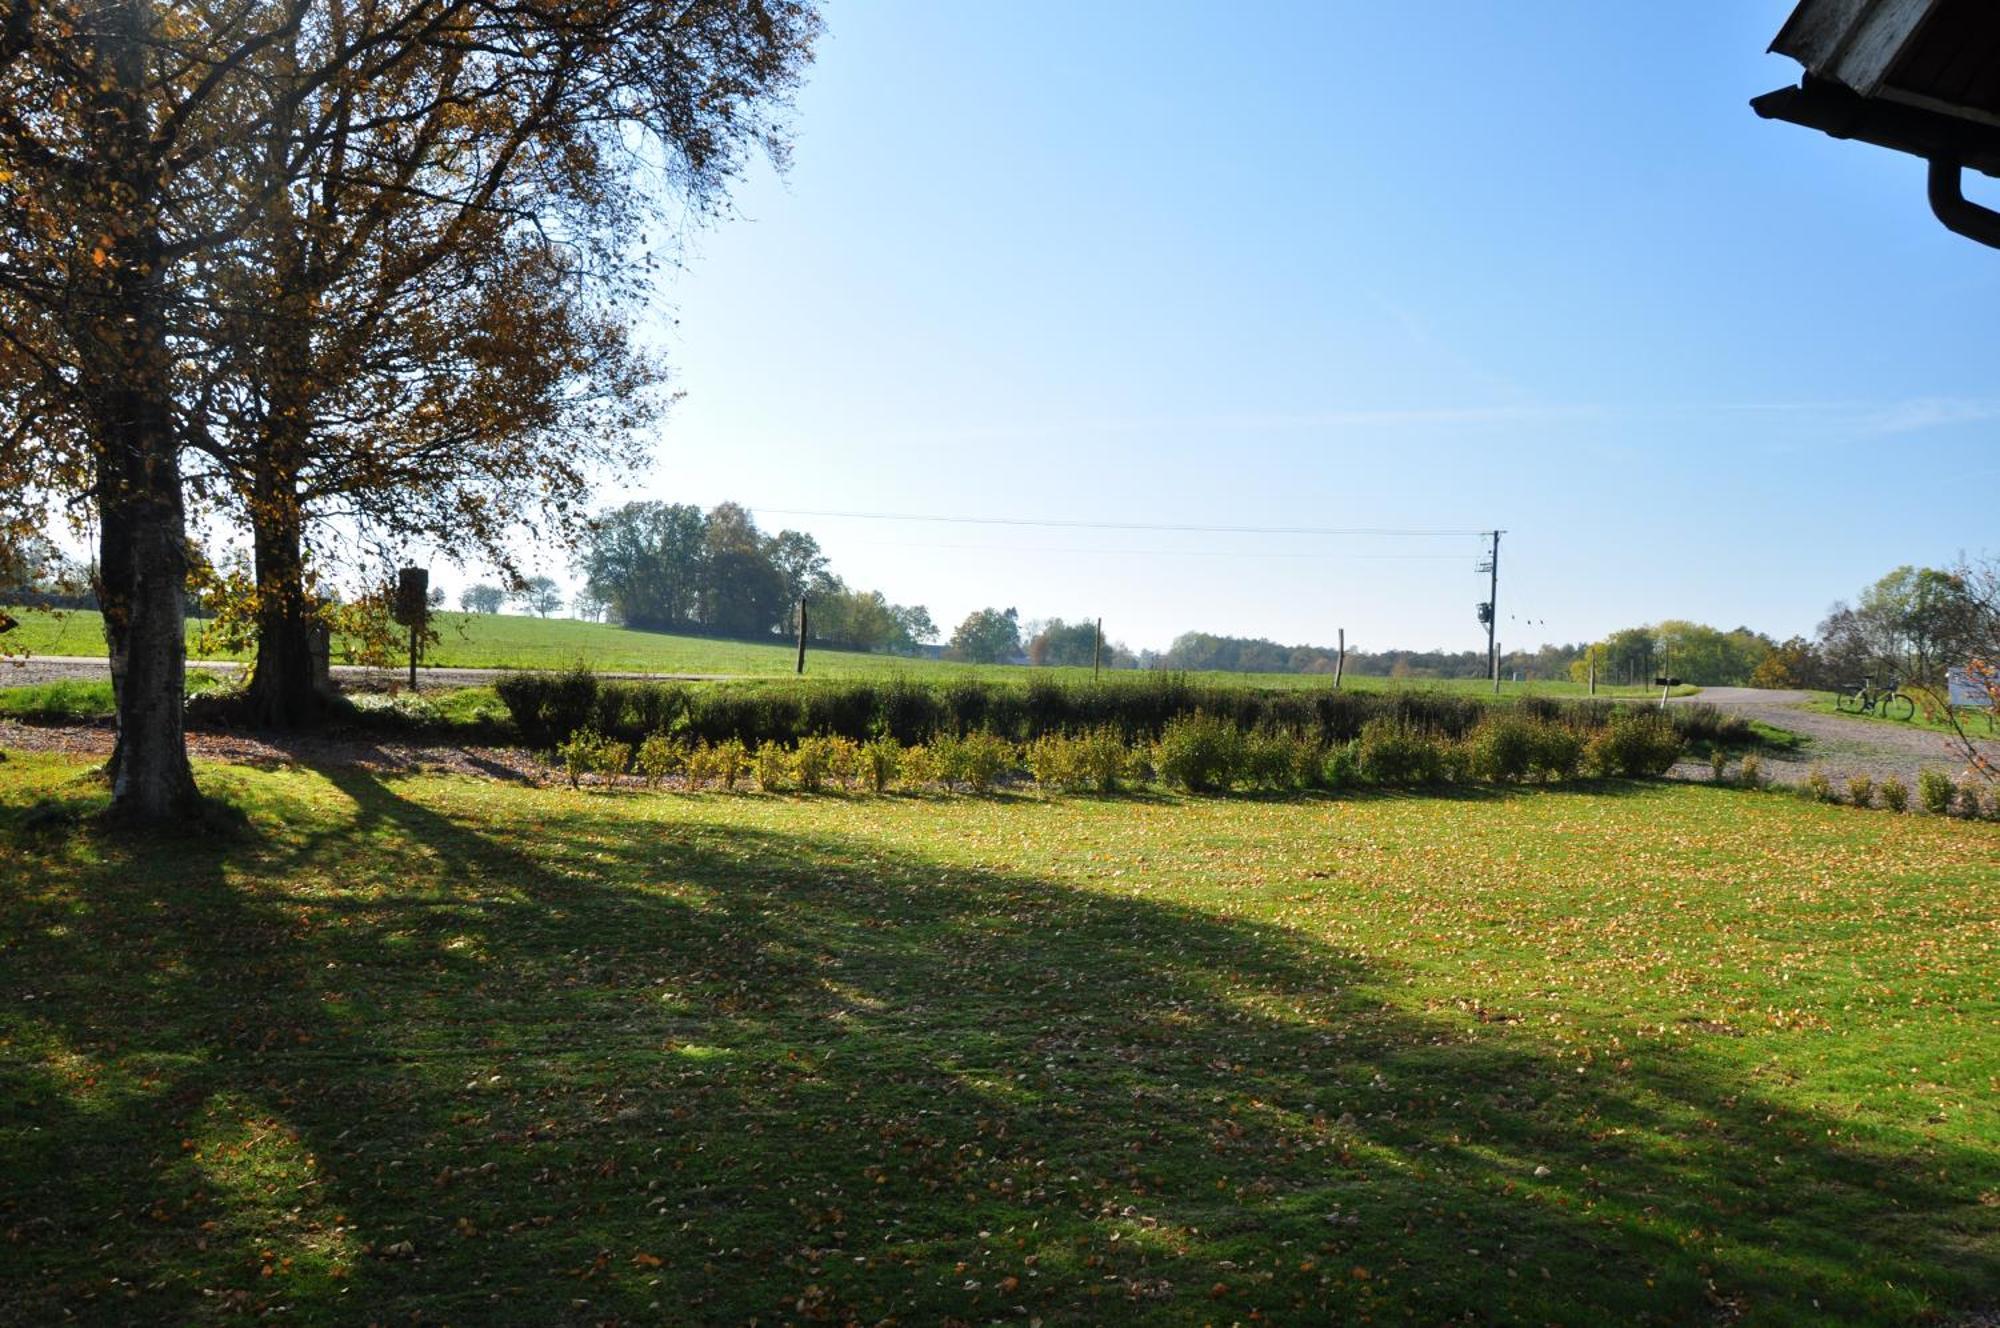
[1839, 744]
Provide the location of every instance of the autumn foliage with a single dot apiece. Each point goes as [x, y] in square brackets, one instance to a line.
[292, 264]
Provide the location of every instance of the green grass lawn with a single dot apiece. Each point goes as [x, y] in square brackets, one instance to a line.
[472, 640]
[429, 1049]
[77, 700]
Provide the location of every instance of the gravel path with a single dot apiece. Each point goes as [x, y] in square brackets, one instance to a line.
[1839, 744]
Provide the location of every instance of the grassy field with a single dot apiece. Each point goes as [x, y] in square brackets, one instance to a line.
[508, 641]
[429, 1049]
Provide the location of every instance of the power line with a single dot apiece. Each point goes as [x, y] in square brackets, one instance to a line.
[1164, 553]
[1119, 525]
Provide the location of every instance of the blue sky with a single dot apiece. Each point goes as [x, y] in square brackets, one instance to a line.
[1534, 265]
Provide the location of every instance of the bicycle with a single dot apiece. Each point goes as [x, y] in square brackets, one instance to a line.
[1867, 699]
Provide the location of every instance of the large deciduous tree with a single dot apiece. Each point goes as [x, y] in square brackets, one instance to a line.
[1912, 624]
[667, 566]
[482, 597]
[800, 564]
[742, 591]
[987, 636]
[540, 595]
[276, 229]
[644, 560]
[442, 355]
[1060, 643]
[125, 134]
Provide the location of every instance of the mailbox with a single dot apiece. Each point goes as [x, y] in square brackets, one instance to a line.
[413, 588]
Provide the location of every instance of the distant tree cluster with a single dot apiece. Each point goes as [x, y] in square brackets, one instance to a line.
[1204, 651]
[672, 567]
[34, 571]
[1912, 624]
[987, 636]
[1057, 644]
[1697, 653]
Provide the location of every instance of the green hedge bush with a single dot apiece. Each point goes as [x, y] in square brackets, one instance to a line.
[1393, 753]
[972, 734]
[547, 708]
[1201, 753]
[1634, 743]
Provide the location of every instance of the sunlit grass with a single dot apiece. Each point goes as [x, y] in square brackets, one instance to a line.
[468, 1052]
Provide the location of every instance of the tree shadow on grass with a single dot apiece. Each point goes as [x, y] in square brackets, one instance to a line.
[393, 1061]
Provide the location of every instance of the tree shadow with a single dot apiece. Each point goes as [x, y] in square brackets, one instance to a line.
[395, 1059]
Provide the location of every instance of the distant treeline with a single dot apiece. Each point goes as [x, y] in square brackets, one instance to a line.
[1204, 651]
[27, 597]
[1695, 652]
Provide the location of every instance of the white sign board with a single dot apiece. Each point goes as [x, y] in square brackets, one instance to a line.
[1967, 690]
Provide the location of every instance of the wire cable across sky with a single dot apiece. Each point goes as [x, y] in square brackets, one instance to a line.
[1053, 523]
[1164, 553]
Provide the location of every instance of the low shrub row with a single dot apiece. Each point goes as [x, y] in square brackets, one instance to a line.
[1936, 792]
[547, 708]
[1201, 753]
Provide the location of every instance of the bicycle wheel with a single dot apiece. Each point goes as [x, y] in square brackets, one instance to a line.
[1898, 706]
[1847, 703]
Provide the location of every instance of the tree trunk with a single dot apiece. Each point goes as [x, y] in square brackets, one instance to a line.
[142, 524]
[142, 569]
[283, 691]
[283, 694]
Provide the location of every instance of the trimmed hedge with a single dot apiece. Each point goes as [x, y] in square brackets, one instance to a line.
[548, 708]
[1200, 753]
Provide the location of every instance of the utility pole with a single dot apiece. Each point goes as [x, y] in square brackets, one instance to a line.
[1096, 648]
[801, 668]
[1490, 610]
[1340, 660]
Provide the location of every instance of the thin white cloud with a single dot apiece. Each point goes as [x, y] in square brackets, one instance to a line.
[1384, 417]
[1867, 418]
[1923, 413]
